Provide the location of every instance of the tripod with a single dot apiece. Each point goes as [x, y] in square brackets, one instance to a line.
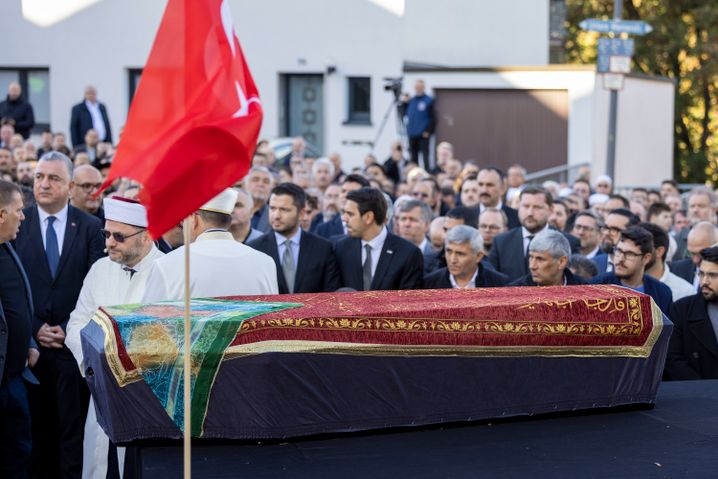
[400, 127]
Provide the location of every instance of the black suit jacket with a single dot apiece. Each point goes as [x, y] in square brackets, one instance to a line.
[684, 268]
[571, 280]
[330, 228]
[26, 374]
[507, 253]
[401, 264]
[54, 299]
[317, 270]
[486, 278]
[512, 216]
[81, 121]
[693, 349]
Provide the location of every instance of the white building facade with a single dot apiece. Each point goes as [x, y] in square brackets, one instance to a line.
[319, 65]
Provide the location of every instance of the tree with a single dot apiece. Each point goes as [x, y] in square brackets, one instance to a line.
[684, 47]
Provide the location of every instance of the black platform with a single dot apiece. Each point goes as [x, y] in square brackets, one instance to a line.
[678, 438]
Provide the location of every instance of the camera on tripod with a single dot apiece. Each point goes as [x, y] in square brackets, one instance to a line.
[394, 85]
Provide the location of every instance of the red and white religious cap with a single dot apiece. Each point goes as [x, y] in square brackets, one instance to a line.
[125, 210]
[223, 202]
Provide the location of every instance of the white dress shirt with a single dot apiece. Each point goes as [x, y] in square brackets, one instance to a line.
[376, 246]
[293, 243]
[59, 226]
[470, 285]
[680, 288]
[98, 124]
[593, 253]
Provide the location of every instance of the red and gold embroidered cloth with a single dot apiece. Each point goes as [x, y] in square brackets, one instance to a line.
[601, 320]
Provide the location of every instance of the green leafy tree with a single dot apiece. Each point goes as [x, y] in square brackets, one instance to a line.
[684, 47]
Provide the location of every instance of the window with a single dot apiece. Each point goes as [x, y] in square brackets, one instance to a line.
[35, 83]
[134, 81]
[359, 101]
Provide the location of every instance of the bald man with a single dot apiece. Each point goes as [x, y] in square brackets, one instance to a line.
[703, 235]
[86, 180]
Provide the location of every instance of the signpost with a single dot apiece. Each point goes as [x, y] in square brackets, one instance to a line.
[614, 60]
[631, 27]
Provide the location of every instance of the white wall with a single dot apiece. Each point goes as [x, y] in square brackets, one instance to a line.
[477, 32]
[644, 137]
[99, 44]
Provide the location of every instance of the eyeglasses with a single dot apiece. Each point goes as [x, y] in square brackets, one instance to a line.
[578, 227]
[611, 229]
[711, 275]
[119, 237]
[630, 255]
[89, 186]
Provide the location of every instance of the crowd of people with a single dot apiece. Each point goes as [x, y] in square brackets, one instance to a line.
[300, 224]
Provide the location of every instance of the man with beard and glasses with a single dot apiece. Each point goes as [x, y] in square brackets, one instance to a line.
[693, 349]
[305, 262]
[630, 257]
[617, 220]
[119, 278]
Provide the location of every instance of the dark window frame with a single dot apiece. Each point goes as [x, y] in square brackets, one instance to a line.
[23, 74]
[356, 117]
[133, 77]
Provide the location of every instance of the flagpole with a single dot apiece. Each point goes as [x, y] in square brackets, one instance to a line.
[187, 364]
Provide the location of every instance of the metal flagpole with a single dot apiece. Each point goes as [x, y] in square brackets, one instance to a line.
[613, 112]
[187, 365]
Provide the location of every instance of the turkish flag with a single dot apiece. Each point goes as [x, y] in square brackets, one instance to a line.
[194, 120]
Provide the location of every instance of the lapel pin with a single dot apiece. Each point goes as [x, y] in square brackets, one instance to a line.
[73, 224]
[390, 251]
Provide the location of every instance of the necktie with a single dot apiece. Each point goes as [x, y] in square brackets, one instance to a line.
[130, 270]
[52, 250]
[531, 238]
[366, 268]
[288, 265]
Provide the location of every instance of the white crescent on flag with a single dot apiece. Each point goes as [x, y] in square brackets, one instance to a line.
[229, 32]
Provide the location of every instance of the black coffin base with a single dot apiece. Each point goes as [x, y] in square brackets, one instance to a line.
[676, 438]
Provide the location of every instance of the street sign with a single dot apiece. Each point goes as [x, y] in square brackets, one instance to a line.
[612, 81]
[603, 64]
[616, 46]
[632, 27]
[619, 64]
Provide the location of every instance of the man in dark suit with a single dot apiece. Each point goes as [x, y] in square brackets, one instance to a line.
[458, 215]
[16, 344]
[305, 262]
[87, 114]
[702, 235]
[464, 251]
[57, 244]
[371, 258]
[335, 227]
[693, 349]
[509, 253]
[259, 183]
[630, 257]
[549, 254]
[492, 186]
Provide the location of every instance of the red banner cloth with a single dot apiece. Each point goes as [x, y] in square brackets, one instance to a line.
[195, 117]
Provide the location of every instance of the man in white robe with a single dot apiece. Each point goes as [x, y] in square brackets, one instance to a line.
[119, 278]
[219, 265]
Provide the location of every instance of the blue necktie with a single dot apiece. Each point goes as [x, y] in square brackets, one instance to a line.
[52, 250]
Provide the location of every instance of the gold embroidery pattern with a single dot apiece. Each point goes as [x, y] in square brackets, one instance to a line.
[112, 356]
